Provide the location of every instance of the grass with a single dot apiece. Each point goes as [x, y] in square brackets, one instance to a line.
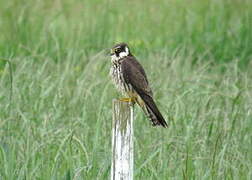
[57, 122]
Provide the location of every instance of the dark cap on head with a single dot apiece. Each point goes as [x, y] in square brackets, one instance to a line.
[121, 45]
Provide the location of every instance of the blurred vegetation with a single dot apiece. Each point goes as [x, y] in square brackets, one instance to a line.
[211, 29]
[55, 111]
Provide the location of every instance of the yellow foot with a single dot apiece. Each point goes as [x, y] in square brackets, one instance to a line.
[127, 100]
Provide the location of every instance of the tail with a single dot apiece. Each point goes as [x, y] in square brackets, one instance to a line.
[153, 112]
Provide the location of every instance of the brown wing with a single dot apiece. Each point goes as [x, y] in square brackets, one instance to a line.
[134, 74]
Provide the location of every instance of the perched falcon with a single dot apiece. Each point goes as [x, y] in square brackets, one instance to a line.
[129, 77]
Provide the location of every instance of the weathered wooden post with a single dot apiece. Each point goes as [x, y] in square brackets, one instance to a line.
[122, 141]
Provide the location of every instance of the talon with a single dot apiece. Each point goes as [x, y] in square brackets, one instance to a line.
[127, 100]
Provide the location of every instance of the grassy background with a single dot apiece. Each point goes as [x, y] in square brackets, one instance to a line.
[57, 123]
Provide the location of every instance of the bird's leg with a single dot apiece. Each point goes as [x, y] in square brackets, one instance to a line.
[132, 100]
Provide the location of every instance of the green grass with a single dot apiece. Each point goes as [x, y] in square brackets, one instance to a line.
[56, 121]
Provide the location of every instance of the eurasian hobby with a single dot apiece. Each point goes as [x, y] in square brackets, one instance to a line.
[129, 77]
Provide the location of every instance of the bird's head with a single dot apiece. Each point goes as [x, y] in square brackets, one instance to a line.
[119, 51]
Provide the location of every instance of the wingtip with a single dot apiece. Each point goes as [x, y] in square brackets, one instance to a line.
[163, 124]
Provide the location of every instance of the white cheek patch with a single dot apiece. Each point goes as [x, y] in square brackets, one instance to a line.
[123, 54]
[115, 59]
